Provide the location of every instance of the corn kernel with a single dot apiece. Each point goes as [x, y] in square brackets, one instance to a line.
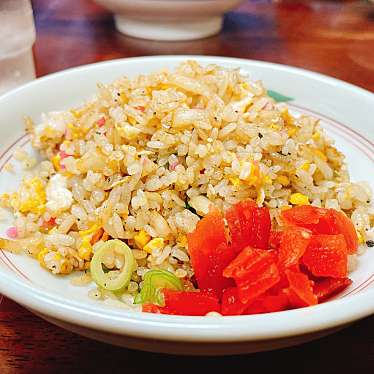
[156, 243]
[85, 249]
[283, 180]
[141, 239]
[299, 199]
[123, 98]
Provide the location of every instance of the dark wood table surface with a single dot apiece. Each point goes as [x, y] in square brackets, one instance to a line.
[334, 38]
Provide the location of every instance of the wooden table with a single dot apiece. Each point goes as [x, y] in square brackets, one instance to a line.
[335, 38]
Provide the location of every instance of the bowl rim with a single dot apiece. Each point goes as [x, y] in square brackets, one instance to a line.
[182, 328]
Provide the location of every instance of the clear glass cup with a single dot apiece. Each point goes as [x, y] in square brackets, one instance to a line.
[17, 36]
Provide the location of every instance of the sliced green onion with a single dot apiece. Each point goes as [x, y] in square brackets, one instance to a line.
[154, 282]
[106, 280]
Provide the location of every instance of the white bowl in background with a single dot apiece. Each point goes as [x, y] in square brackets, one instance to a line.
[343, 111]
[169, 20]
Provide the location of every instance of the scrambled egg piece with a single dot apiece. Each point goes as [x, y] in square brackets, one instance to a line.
[360, 237]
[299, 199]
[59, 198]
[320, 154]
[156, 243]
[316, 135]
[41, 255]
[128, 132]
[305, 166]
[56, 162]
[85, 249]
[30, 198]
[90, 231]
[235, 181]
[53, 124]
[182, 240]
[141, 239]
[250, 172]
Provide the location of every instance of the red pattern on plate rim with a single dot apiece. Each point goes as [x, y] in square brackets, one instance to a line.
[20, 142]
[363, 144]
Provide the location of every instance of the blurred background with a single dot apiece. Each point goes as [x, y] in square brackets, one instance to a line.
[332, 37]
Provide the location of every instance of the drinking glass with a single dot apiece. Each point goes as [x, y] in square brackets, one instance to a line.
[17, 36]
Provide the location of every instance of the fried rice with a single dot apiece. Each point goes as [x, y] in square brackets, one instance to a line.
[147, 158]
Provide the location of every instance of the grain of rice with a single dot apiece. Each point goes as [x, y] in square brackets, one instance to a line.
[20, 154]
[180, 273]
[81, 280]
[213, 314]
[159, 224]
[116, 304]
[352, 263]
[163, 255]
[95, 294]
[118, 226]
[9, 167]
[180, 255]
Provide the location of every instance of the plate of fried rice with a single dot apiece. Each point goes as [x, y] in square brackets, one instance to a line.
[189, 204]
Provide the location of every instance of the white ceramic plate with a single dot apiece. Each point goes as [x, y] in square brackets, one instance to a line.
[345, 113]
